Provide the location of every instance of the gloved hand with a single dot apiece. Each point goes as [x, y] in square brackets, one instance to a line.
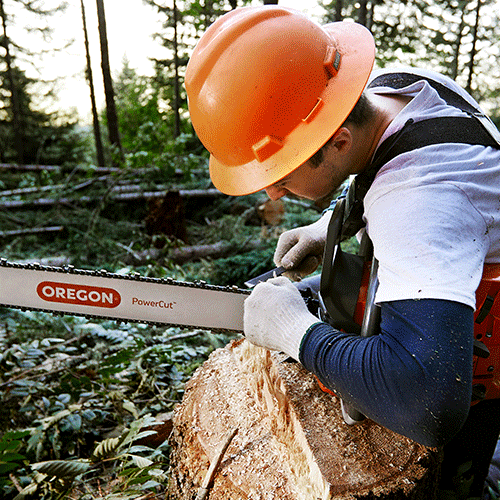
[276, 316]
[300, 250]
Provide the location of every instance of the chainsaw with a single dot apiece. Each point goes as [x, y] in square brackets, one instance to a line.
[159, 301]
[129, 298]
[165, 301]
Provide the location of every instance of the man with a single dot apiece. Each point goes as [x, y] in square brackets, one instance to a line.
[282, 104]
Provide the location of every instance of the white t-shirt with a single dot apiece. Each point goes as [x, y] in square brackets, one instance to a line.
[433, 214]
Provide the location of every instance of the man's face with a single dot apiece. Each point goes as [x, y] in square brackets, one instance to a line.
[310, 181]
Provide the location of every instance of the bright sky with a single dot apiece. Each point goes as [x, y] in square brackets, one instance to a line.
[130, 25]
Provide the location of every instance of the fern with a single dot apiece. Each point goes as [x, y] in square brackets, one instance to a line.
[105, 448]
[62, 468]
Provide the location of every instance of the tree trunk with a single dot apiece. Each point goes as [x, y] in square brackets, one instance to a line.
[363, 12]
[14, 100]
[291, 441]
[339, 5]
[95, 118]
[370, 15]
[112, 117]
[177, 99]
[468, 87]
[458, 44]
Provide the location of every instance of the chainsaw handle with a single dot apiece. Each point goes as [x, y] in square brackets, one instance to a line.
[371, 316]
[334, 262]
[370, 326]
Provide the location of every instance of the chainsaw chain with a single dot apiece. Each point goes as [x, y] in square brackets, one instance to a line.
[131, 277]
[311, 302]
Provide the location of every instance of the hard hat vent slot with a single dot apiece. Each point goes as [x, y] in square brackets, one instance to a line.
[332, 61]
[266, 147]
[310, 117]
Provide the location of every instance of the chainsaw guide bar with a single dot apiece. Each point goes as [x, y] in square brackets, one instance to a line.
[129, 298]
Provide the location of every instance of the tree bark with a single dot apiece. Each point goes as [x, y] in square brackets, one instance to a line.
[123, 197]
[28, 168]
[53, 168]
[292, 443]
[14, 99]
[457, 45]
[95, 117]
[339, 5]
[32, 230]
[112, 117]
[189, 253]
[217, 250]
[473, 50]
[363, 12]
[177, 98]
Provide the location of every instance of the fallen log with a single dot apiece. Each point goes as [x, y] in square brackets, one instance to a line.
[16, 167]
[188, 253]
[214, 251]
[292, 443]
[184, 193]
[53, 187]
[28, 168]
[121, 197]
[30, 231]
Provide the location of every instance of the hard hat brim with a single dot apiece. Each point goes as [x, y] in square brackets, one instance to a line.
[357, 48]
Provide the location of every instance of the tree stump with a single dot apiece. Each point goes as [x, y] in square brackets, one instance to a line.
[291, 444]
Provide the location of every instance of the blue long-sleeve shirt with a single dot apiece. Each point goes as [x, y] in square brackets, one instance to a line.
[414, 378]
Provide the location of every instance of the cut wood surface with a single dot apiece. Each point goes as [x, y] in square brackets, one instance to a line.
[292, 443]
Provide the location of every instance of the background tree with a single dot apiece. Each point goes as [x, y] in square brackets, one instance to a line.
[144, 127]
[47, 138]
[184, 23]
[111, 114]
[11, 84]
[88, 73]
[458, 38]
[30, 133]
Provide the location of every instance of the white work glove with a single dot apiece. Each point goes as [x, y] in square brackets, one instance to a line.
[300, 250]
[276, 316]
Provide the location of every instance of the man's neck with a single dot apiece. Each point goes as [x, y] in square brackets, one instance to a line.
[369, 135]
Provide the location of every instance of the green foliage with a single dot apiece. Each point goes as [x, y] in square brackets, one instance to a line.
[237, 269]
[62, 468]
[180, 32]
[78, 394]
[47, 138]
[148, 131]
[437, 35]
[66, 390]
[10, 458]
[140, 469]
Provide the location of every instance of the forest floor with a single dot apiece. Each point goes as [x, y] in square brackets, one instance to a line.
[87, 403]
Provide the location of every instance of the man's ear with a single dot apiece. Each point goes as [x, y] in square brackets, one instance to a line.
[342, 141]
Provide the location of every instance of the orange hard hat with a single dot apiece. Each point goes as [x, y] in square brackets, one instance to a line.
[267, 87]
